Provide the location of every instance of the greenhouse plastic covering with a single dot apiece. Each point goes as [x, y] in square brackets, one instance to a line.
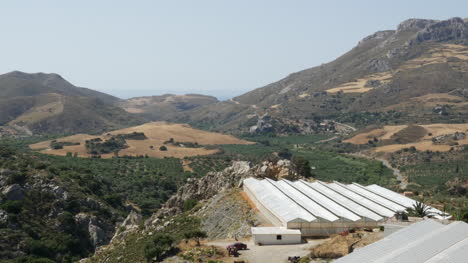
[303, 201]
[275, 201]
[426, 241]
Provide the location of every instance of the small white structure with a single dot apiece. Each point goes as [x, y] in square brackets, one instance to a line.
[275, 236]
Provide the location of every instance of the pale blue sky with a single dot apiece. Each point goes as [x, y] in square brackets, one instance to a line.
[221, 48]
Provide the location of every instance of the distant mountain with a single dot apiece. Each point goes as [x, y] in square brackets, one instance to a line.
[46, 103]
[165, 107]
[417, 73]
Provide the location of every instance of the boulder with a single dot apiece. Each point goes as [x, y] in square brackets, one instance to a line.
[13, 192]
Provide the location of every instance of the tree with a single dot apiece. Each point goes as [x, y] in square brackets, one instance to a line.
[195, 234]
[302, 166]
[419, 209]
[159, 247]
[163, 148]
[285, 154]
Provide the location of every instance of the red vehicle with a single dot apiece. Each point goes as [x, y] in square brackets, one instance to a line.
[239, 246]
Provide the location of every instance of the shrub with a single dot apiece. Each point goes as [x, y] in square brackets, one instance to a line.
[189, 204]
[13, 207]
[195, 234]
[158, 247]
[302, 166]
[163, 148]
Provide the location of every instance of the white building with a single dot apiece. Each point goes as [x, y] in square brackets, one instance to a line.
[321, 209]
[275, 236]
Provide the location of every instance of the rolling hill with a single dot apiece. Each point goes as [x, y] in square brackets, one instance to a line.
[178, 140]
[46, 103]
[165, 107]
[418, 71]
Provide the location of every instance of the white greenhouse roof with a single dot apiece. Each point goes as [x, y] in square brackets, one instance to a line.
[277, 203]
[331, 205]
[342, 200]
[403, 200]
[274, 231]
[302, 201]
[426, 241]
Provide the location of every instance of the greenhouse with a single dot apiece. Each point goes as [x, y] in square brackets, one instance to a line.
[320, 209]
[427, 241]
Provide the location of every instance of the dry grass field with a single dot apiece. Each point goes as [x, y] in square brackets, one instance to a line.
[420, 141]
[359, 85]
[157, 133]
[38, 113]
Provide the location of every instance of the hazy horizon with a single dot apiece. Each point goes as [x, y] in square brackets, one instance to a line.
[218, 48]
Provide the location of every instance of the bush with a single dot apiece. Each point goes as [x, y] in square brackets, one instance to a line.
[189, 204]
[302, 166]
[160, 246]
[13, 207]
[195, 234]
[163, 148]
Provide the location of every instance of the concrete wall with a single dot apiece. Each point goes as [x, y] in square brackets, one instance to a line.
[270, 239]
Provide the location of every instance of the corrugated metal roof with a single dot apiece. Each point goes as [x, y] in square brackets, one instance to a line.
[274, 231]
[423, 242]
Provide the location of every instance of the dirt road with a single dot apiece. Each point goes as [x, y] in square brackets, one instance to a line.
[396, 172]
[270, 254]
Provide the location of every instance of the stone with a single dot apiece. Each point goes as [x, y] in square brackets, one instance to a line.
[3, 217]
[13, 192]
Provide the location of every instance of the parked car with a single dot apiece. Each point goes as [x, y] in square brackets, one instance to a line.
[240, 246]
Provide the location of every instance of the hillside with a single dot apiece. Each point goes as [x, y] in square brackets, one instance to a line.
[178, 140]
[46, 103]
[419, 70]
[165, 107]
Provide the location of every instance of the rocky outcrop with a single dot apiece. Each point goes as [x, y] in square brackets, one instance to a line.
[454, 29]
[99, 232]
[217, 182]
[414, 24]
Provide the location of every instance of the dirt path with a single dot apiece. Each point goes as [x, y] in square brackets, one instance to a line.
[347, 126]
[327, 140]
[396, 172]
[270, 254]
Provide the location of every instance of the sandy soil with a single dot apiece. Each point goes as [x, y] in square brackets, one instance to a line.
[157, 133]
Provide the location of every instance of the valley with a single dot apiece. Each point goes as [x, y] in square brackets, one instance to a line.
[90, 177]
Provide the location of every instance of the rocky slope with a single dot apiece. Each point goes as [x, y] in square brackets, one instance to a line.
[424, 60]
[221, 211]
[45, 217]
[46, 103]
